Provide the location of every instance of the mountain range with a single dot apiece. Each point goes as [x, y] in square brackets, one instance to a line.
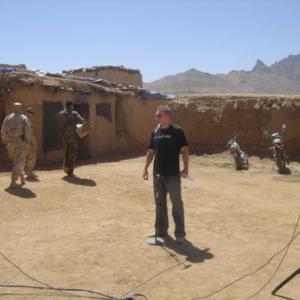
[283, 77]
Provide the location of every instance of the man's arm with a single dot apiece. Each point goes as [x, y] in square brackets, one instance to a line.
[27, 130]
[149, 157]
[79, 118]
[185, 159]
[3, 132]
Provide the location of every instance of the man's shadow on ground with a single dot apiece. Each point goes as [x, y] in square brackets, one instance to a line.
[193, 254]
[21, 192]
[79, 181]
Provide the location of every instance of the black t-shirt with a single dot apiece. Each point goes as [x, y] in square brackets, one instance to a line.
[167, 144]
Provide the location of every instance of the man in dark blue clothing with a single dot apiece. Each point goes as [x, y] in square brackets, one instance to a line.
[167, 142]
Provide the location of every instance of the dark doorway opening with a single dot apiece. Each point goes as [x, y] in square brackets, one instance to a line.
[83, 144]
[2, 113]
[51, 139]
[2, 117]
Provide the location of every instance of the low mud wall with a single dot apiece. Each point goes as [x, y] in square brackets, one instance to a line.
[210, 121]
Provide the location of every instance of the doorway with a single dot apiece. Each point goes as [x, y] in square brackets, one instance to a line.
[51, 139]
[2, 117]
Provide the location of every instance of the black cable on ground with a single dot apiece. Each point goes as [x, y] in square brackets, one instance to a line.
[151, 278]
[175, 257]
[29, 276]
[59, 290]
[70, 295]
[280, 263]
[286, 247]
[64, 291]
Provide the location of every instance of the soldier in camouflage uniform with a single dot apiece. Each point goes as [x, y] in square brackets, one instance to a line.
[67, 121]
[31, 148]
[16, 133]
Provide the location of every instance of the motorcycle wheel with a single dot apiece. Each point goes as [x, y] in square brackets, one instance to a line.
[246, 164]
[280, 165]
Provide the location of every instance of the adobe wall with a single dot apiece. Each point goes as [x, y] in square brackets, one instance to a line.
[20, 66]
[119, 75]
[210, 121]
[136, 120]
[102, 130]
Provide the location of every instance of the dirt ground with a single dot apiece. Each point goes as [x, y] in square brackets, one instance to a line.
[91, 232]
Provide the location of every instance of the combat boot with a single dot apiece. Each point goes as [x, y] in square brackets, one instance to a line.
[14, 184]
[22, 178]
[32, 175]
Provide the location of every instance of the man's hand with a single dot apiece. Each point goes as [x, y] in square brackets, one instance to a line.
[145, 175]
[184, 174]
[149, 156]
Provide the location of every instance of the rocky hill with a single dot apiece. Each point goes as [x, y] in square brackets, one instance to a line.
[282, 77]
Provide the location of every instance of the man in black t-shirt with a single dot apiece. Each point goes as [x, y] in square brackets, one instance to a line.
[167, 142]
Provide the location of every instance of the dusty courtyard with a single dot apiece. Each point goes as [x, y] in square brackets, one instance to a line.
[91, 232]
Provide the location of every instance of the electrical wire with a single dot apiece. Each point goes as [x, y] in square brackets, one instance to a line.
[27, 275]
[70, 295]
[280, 263]
[64, 291]
[151, 278]
[175, 257]
[56, 290]
[286, 247]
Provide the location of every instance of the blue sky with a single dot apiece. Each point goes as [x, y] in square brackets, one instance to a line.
[158, 37]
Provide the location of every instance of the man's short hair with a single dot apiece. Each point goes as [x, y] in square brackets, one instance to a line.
[69, 103]
[166, 109]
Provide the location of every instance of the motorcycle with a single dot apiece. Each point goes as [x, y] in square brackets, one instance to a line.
[278, 148]
[239, 156]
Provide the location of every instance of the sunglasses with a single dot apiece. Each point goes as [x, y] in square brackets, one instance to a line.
[158, 115]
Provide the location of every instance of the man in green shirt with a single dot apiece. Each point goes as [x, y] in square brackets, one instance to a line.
[67, 121]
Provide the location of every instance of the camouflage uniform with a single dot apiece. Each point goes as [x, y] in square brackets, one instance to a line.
[67, 121]
[16, 133]
[31, 153]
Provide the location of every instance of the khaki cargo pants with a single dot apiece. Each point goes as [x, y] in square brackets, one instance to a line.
[17, 154]
[30, 160]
